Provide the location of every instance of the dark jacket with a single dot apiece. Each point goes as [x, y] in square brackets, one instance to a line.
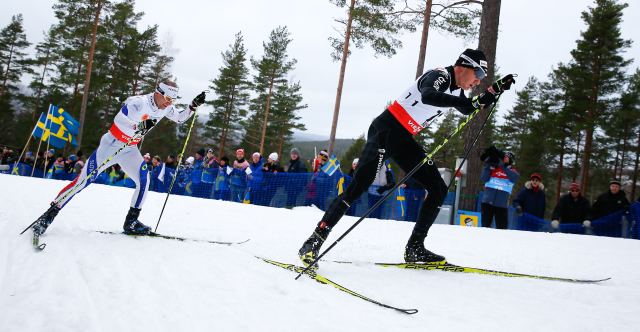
[495, 197]
[530, 200]
[272, 167]
[571, 210]
[296, 166]
[609, 203]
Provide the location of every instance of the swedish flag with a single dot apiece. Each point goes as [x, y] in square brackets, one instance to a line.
[247, 197]
[58, 127]
[331, 166]
[402, 202]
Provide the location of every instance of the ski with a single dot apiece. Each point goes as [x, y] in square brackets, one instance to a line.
[466, 269]
[323, 280]
[177, 238]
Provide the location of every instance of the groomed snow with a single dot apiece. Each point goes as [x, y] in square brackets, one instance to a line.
[86, 281]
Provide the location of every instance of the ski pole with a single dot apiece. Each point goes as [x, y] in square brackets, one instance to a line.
[425, 160]
[94, 172]
[175, 175]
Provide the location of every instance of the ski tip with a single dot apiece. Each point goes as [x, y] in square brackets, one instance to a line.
[40, 247]
[409, 311]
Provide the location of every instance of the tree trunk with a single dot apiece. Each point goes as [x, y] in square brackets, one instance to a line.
[266, 114]
[586, 159]
[576, 164]
[560, 172]
[225, 127]
[424, 37]
[617, 159]
[87, 80]
[343, 67]
[487, 43]
[39, 94]
[625, 139]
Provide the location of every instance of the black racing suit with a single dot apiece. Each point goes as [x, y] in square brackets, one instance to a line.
[387, 138]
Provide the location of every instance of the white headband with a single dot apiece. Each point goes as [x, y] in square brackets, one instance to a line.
[166, 90]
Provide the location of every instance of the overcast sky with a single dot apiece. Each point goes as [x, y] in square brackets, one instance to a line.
[534, 36]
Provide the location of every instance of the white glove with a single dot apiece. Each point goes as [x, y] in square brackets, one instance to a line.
[555, 224]
[586, 223]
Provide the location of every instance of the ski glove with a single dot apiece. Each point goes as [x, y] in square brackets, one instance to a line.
[145, 125]
[484, 99]
[503, 84]
[198, 100]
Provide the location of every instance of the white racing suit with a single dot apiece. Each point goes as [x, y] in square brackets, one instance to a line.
[135, 110]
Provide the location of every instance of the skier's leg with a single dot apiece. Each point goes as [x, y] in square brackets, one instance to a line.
[409, 155]
[134, 166]
[372, 157]
[108, 145]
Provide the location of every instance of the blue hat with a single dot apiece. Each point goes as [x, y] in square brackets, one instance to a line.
[73, 157]
[52, 151]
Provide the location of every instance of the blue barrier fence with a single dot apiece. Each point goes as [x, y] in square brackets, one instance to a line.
[267, 189]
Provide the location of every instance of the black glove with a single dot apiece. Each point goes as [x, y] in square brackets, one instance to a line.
[198, 100]
[380, 190]
[484, 99]
[503, 84]
[145, 125]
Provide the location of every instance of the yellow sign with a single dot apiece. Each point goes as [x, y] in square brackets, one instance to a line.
[469, 218]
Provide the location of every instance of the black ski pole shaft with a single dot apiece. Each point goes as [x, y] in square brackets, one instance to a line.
[90, 175]
[175, 175]
[425, 160]
[475, 140]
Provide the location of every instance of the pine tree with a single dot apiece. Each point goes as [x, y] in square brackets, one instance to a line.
[352, 153]
[516, 126]
[287, 101]
[13, 59]
[272, 69]
[598, 72]
[232, 95]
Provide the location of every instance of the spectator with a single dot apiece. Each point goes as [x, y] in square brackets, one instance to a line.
[147, 159]
[571, 208]
[209, 170]
[210, 160]
[57, 171]
[320, 160]
[170, 162]
[498, 183]
[272, 165]
[297, 179]
[531, 198]
[198, 188]
[28, 158]
[613, 200]
[255, 177]
[295, 164]
[70, 164]
[354, 164]
[221, 188]
[238, 179]
[157, 174]
[382, 183]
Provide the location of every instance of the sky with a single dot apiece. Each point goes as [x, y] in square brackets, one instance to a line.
[535, 35]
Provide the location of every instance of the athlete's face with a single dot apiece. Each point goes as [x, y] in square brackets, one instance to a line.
[467, 78]
[162, 101]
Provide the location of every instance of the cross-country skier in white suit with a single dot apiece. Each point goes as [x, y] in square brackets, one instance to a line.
[136, 117]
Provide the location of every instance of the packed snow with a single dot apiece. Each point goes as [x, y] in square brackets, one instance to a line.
[88, 281]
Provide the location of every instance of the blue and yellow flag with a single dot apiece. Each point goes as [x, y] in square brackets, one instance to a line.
[58, 127]
[247, 197]
[402, 202]
[331, 166]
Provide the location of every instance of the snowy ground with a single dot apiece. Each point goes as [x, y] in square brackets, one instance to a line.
[86, 281]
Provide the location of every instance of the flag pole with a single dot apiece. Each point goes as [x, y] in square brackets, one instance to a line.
[47, 125]
[26, 146]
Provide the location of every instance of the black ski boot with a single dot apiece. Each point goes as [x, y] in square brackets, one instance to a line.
[415, 252]
[45, 220]
[309, 251]
[133, 226]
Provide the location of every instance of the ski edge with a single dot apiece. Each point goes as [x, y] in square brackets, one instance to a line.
[177, 238]
[447, 267]
[326, 281]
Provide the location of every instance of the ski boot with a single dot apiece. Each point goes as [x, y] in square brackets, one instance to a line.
[415, 252]
[309, 251]
[133, 226]
[45, 220]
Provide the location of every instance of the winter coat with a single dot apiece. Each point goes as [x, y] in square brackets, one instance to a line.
[296, 166]
[531, 200]
[196, 174]
[257, 174]
[238, 175]
[506, 175]
[273, 167]
[222, 179]
[571, 210]
[609, 203]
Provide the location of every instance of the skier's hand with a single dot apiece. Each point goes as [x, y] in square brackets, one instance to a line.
[145, 125]
[198, 100]
[484, 99]
[503, 84]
